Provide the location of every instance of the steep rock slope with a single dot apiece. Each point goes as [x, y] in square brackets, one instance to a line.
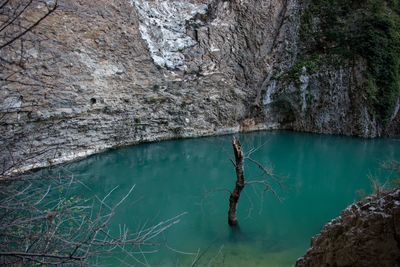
[96, 75]
[102, 74]
[346, 79]
[366, 234]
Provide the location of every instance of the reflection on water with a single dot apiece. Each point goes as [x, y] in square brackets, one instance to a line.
[324, 173]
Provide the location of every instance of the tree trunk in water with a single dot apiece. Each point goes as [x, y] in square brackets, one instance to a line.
[235, 195]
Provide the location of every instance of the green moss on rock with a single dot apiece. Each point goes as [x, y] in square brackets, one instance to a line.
[341, 32]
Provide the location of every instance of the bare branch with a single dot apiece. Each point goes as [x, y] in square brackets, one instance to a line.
[50, 225]
[36, 23]
[241, 181]
[266, 171]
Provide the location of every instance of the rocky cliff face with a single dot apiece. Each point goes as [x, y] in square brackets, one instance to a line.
[366, 234]
[345, 79]
[322, 102]
[96, 75]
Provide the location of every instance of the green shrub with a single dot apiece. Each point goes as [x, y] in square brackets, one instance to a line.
[339, 32]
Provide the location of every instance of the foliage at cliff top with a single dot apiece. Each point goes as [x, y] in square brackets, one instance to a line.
[345, 31]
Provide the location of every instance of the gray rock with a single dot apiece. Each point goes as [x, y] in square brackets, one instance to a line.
[109, 73]
[366, 234]
[324, 102]
[121, 72]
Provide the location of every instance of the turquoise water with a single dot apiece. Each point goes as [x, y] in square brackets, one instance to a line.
[323, 174]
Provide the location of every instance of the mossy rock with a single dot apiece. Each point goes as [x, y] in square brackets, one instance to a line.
[337, 33]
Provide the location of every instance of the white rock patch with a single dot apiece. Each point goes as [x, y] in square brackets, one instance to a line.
[163, 27]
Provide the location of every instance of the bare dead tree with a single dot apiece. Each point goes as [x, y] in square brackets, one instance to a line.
[238, 162]
[240, 182]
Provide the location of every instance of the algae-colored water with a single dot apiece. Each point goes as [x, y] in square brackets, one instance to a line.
[323, 174]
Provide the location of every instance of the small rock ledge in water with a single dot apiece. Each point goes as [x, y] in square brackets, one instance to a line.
[366, 234]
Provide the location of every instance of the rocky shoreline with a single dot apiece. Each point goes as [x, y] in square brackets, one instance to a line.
[78, 155]
[367, 233]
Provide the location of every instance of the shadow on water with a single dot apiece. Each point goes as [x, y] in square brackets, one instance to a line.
[236, 235]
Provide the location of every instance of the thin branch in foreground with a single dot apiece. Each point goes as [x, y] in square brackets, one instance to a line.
[51, 225]
[30, 28]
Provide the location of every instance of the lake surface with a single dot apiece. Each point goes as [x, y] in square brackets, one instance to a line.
[324, 174]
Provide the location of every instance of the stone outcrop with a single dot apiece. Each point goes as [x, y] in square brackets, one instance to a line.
[323, 102]
[366, 234]
[103, 74]
[107, 73]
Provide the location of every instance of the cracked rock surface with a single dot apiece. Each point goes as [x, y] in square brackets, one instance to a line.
[110, 73]
[366, 234]
[107, 73]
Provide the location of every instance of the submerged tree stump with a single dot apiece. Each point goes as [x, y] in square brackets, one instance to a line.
[235, 195]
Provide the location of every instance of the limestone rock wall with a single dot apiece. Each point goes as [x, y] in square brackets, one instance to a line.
[324, 102]
[341, 82]
[107, 73]
[102, 74]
